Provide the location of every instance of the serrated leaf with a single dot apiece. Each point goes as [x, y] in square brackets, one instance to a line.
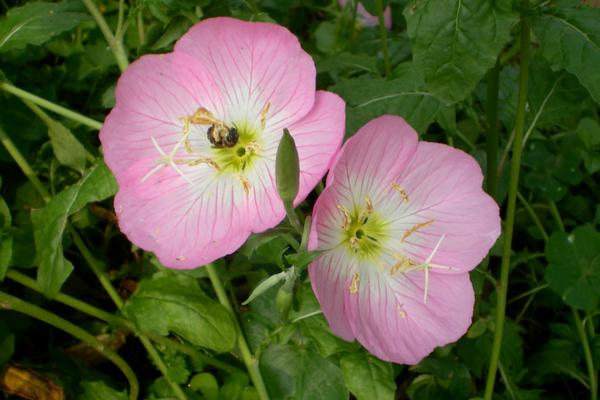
[291, 371]
[67, 149]
[570, 39]
[455, 42]
[37, 22]
[574, 270]
[367, 98]
[177, 304]
[368, 377]
[50, 223]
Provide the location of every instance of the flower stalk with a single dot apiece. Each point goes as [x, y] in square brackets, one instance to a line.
[502, 288]
[249, 360]
[491, 113]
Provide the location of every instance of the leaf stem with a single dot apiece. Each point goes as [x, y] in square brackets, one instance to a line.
[250, 361]
[556, 215]
[383, 35]
[9, 302]
[115, 45]
[533, 216]
[587, 354]
[502, 289]
[65, 112]
[491, 112]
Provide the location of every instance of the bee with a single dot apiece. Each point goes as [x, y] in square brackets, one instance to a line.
[218, 134]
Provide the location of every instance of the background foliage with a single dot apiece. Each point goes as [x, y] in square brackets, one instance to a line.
[441, 67]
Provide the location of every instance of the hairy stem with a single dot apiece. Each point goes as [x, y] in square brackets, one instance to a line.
[65, 112]
[249, 360]
[115, 45]
[9, 302]
[510, 214]
[384, 40]
[491, 112]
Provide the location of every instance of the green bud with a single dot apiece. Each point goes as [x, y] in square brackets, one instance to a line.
[287, 168]
[285, 294]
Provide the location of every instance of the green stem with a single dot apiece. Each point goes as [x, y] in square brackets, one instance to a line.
[69, 301]
[119, 32]
[115, 45]
[250, 361]
[9, 302]
[65, 112]
[587, 354]
[510, 214]
[556, 215]
[491, 112]
[162, 367]
[528, 293]
[140, 28]
[292, 216]
[384, 41]
[533, 216]
[23, 164]
[85, 252]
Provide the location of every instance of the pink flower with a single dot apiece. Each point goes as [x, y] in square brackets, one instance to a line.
[400, 224]
[371, 20]
[193, 137]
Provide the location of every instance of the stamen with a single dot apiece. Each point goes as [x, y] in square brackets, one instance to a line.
[426, 265]
[346, 214]
[354, 284]
[199, 161]
[369, 206]
[415, 228]
[404, 262]
[399, 189]
[245, 183]
[354, 243]
[253, 147]
[263, 115]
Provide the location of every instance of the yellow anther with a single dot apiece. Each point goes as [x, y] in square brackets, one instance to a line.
[403, 263]
[354, 284]
[400, 189]
[245, 183]
[253, 147]
[206, 161]
[346, 214]
[415, 228]
[354, 243]
[263, 115]
[369, 206]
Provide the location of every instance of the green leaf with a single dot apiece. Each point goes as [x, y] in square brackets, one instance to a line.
[367, 98]
[7, 344]
[37, 22]
[177, 304]
[557, 356]
[50, 223]
[6, 238]
[99, 390]
[206, 384]
[368, 377]
[570, 39]
[67, 149]
[574, 270]
[266, 285]
[346, 61]
[588, 132]
[293, 372]
[371, 5]
[455, 42]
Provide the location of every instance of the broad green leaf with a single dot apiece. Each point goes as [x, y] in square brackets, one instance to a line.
[6, 238]
[367, 98]
[176, 28]
[455, 42]
[50, 223]
[570, 39]
[37, 22]
[368, 377]
[177, 304]
[557, 356]
[346, 61]
[295, 372]
[7, 344]
[67, 149]
[574, 270]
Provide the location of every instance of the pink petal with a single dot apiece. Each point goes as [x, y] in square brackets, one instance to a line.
[152, 96]
[331, 276]
[390, 318]
[254, 64]
[444, 186]
[185, 225]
